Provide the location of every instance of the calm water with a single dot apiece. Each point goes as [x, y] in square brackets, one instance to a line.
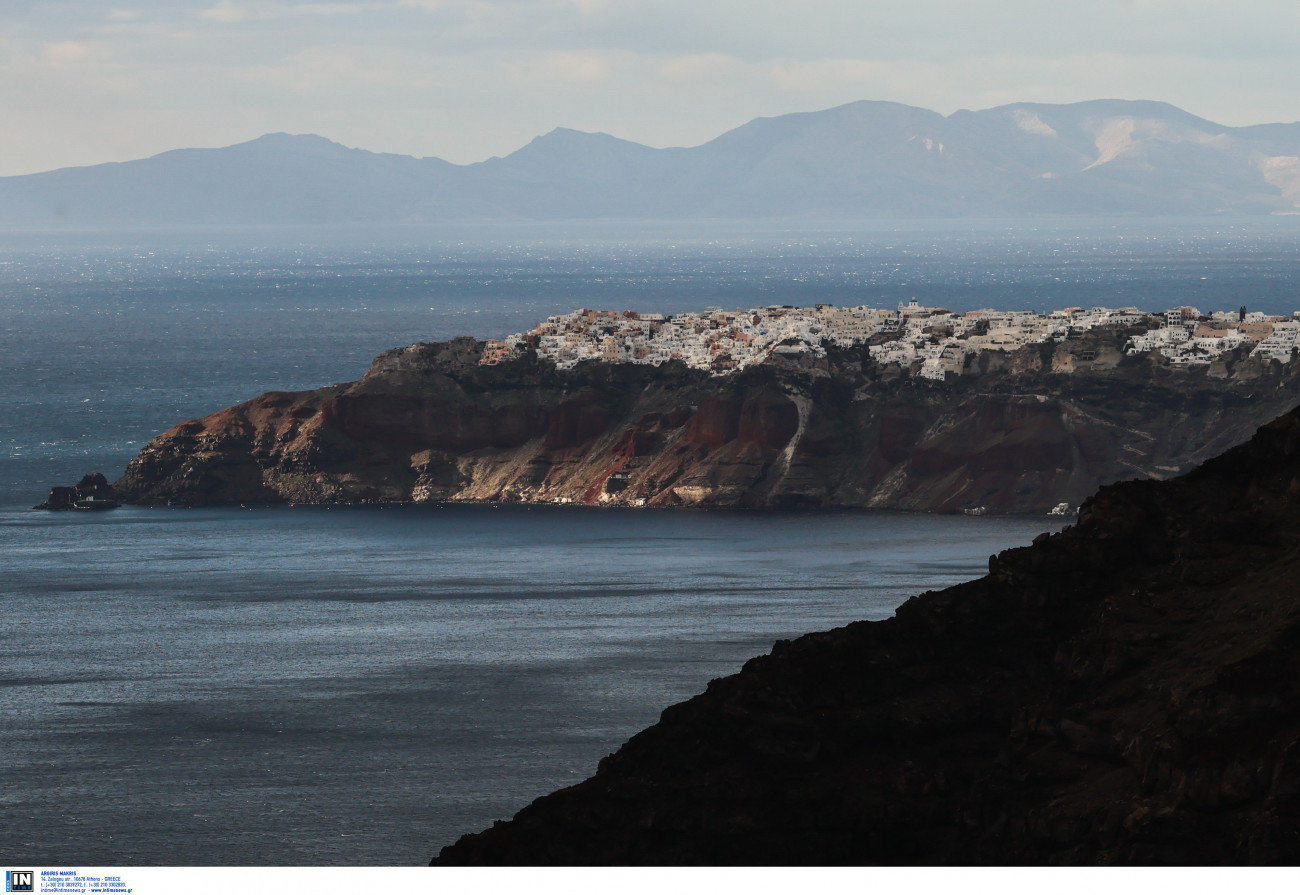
[364, 685]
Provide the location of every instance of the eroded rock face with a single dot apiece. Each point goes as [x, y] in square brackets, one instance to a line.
[1124, 692]
[429, 423]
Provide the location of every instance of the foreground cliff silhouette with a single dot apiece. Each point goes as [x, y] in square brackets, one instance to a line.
[1021, 432]
[1124, 691]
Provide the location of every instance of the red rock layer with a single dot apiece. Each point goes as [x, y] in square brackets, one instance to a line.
[429, 423]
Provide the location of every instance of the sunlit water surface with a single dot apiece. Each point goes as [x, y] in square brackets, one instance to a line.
[362, 685]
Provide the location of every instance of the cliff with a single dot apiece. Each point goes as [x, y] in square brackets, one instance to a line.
[1122, 692]
[1021, 433]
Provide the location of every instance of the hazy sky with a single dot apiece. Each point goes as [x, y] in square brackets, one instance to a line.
[86, 81]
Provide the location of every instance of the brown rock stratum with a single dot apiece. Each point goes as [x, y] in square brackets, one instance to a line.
[1126, 691]
[1020, 433]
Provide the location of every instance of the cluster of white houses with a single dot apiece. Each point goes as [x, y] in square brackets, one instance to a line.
[934, 341]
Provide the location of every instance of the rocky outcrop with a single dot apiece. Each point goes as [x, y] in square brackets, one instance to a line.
[93, 492]
[1126, 691]
[1019, 433]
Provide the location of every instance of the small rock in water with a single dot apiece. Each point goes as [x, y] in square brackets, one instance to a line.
[93, 492]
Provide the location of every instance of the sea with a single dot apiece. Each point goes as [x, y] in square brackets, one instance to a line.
[363, 685]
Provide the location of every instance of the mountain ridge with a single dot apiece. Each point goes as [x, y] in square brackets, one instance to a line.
[859, 160]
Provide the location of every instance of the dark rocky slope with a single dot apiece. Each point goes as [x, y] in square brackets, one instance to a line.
[1126, 691]
[1018, 433]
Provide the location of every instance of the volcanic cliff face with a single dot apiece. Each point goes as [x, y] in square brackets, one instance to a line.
[1021, 432]
[1125, 691]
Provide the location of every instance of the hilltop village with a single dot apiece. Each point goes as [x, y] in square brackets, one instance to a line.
[1034, 413]
[933, 343]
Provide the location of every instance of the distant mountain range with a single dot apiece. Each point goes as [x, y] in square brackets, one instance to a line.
[862, 160]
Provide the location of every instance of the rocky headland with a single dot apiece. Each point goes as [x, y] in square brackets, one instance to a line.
[1020, 431]
[1122, 692]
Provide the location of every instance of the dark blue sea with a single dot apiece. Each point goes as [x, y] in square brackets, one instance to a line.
[364, 685]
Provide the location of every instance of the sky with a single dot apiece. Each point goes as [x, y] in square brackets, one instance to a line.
[90, 81]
